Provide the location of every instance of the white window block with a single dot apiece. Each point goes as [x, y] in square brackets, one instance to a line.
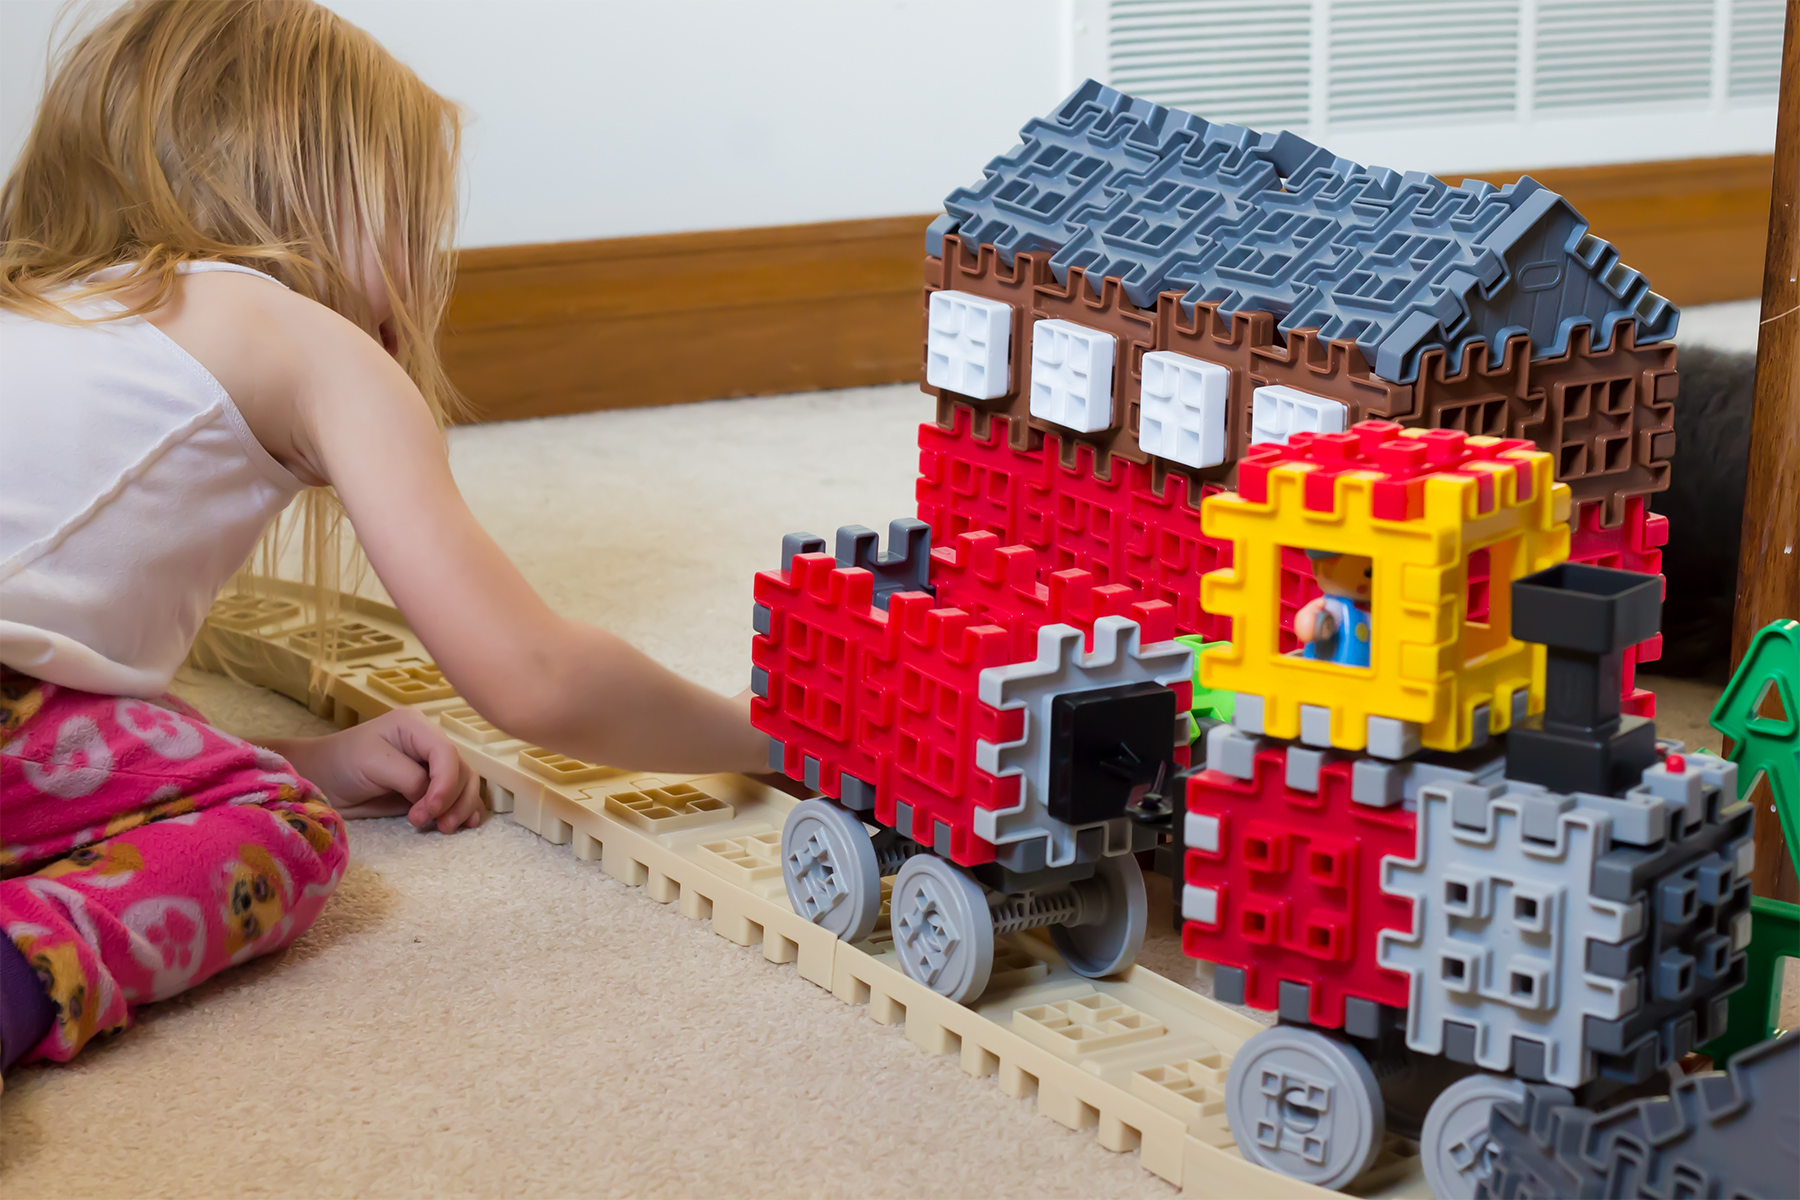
[1278, 410]
[1201, 832]
[1181, 414]
[967, 344]
[1072, 375]
[1200, 904]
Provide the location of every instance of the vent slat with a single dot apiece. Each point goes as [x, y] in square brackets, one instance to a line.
[1228, 60]
[1755, 57]
[1392, 62]
[1407, 62]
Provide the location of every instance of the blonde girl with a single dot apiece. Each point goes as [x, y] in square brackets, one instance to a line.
[225, 262]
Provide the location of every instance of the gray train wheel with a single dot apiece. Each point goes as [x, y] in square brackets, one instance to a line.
[1455, 1147]
[942, 928]
[828, 865]
[1305, 1105]
[1112, 943]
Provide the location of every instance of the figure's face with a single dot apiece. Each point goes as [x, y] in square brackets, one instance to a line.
[1346, 575]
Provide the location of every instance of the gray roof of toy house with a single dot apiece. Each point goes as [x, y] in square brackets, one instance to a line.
[1398, 263]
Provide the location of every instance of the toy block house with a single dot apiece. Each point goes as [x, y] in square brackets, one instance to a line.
[1133, 298]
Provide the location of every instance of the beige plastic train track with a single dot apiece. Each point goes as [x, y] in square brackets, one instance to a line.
[1136, 1057]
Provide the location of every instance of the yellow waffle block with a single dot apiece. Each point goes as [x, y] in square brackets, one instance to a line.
[1422, 505]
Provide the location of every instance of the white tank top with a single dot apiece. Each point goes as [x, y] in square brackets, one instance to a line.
[130, 491]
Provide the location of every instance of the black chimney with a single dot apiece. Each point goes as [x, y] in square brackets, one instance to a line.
[1586, 617]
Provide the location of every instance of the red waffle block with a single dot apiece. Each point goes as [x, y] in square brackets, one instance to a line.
[1000, 585]
[1296, 877]
[889, 697]
[1121, 530]
[1635, 544]
[1400, 464]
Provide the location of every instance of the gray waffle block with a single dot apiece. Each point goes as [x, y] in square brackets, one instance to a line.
[904, 567]
[1728, 1133]
[1501, 932]
[1165, 201]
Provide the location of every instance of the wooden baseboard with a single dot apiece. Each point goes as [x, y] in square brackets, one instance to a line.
[627, 322]
[577, 326]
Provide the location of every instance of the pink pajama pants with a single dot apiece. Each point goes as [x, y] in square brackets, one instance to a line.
[143, 850]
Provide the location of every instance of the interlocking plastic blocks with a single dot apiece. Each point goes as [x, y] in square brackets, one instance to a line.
[1163, 201]
[1123, 530]
[1718, 1133]
[1565, 938]
[1760, 712]
[1118, 661]
[1283, 877]
[1007, 586]
[931, 721]
[1419, 505]
[1634, 544]
[1498, 945]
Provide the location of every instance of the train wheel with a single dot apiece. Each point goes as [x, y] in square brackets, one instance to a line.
[828, 864]
[1096, 948]
[942, 928]
[1454, 1145]
[1305, 1105]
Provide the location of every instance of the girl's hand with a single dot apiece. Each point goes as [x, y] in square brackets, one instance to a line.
[397, 763]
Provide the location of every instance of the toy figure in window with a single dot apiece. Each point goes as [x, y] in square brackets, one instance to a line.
[1334, 627]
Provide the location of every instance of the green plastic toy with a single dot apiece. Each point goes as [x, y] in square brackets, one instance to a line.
[1210, 703]
[1765, 744]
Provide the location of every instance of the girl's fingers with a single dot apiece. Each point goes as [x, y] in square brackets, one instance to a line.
[391, 771]
[442, 763]
[467, 809]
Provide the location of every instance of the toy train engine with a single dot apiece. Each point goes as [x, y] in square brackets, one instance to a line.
[1008, 743]
[1442, 854]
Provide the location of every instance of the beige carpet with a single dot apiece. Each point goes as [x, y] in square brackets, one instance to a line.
[484, 1015]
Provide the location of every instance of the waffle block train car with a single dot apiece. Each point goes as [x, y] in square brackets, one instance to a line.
[1283, 523]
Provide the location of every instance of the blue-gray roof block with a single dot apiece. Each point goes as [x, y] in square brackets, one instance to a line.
[1398, 263]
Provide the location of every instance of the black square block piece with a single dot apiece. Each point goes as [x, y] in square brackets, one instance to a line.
[1589, 610]
[1104, 745]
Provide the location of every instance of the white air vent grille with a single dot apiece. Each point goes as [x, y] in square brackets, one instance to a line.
[1755, 49]
[1455, 85]
[1597, 54]
[1228, 60]
[1392, 63]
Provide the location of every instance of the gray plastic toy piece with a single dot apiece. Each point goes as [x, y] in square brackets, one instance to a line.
[799, 543]
[1398, 263]
[1728, 1133]
[828, 864]
[1391, 739]
[1454, 1146]
[1498, 956]
[1695, 889]
[943, 931]
[1232, 751]
[904, 567]
[1247, 712]
[1062, 668]
[1112, 943]
[1305, 1105]
[1381, 784]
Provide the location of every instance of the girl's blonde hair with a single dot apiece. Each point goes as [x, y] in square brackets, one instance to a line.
[270, 133]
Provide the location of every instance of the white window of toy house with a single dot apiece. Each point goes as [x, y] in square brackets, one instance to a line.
[1454, 85]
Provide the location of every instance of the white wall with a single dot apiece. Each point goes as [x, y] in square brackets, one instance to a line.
[605, 118]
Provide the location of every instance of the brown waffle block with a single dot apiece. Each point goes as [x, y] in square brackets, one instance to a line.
[1606, 415]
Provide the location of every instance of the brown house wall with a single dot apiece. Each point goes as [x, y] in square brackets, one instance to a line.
[1607, 417]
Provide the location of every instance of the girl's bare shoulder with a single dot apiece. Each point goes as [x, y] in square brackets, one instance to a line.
[261, 341]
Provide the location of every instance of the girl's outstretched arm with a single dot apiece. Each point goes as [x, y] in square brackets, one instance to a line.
[358, 422]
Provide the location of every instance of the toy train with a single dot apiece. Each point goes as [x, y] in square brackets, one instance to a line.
[1338, 675]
